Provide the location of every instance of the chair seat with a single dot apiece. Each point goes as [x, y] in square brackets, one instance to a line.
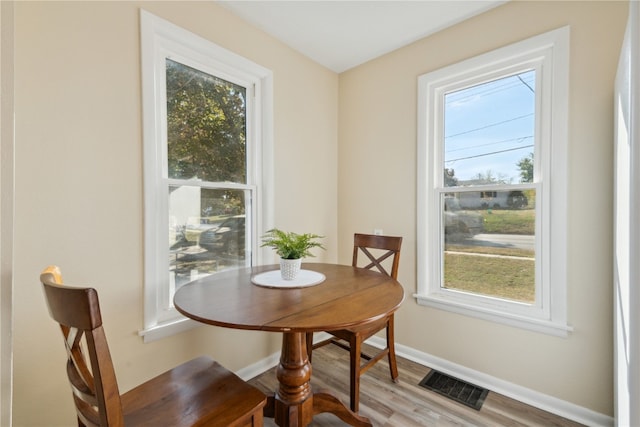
[185, 394]
[364, 331]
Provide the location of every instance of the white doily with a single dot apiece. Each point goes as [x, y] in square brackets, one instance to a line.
[273, 279]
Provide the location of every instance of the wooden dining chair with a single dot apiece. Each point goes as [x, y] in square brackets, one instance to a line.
[200, 392]
[377, 249]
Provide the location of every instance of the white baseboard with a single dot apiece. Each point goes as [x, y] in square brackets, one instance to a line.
[522, 394]
[259, 367]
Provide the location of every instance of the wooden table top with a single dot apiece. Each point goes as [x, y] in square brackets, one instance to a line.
[348, 297]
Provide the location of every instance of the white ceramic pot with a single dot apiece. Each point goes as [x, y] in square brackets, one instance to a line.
[289, 268]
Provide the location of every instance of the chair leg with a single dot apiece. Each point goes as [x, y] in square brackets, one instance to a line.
[309, 338]
[356, 349]
[393, 365]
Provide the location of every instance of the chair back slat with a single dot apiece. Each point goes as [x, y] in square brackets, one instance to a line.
[89, 366]
[78, 372]
[389, 245]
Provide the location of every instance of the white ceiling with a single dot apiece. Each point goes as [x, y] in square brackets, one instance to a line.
[343, 34]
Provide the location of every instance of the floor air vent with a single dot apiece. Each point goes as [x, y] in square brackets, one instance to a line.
[455, 389]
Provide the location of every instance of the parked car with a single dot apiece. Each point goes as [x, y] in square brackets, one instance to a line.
[458, 222]
[228, 238]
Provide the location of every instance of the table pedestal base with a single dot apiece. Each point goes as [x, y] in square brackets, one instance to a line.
[294, 404]
[323, 401]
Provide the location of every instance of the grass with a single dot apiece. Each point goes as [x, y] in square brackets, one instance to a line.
[509, 221]
[506, 278]
[489, 250]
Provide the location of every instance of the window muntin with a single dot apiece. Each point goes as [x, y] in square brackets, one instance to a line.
[542, 63]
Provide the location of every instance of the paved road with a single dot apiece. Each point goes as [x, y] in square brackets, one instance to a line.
[503, 241]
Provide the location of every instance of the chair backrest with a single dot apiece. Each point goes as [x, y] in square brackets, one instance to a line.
[89, 366]
[384, 246]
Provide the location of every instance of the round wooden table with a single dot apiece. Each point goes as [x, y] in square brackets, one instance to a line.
[348, 296]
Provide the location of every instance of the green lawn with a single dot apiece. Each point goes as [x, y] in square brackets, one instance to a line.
[507, 278]
[467, 268]
[509, 221]
[489, 250]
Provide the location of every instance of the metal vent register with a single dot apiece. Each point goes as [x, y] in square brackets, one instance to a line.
[455, 389]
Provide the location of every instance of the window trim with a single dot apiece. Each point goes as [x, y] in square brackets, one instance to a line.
[548, 53]
[158, 39]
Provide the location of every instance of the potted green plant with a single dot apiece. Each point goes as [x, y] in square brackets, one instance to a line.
[291, 247]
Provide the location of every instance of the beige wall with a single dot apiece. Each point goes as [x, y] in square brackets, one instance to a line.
[79, 201]
[377, 182]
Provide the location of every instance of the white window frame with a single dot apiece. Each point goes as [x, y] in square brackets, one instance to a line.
[161, 39]
[548, 54]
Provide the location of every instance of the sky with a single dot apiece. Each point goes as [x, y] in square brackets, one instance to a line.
[490, 127]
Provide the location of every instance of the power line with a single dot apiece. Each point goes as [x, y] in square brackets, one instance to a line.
[526, 84]
[488, 154]
[465, 94]
[488, 126]
[519, 139]
[489, 88]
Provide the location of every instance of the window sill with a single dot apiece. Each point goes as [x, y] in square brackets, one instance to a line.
[549, 327]
[167, 329]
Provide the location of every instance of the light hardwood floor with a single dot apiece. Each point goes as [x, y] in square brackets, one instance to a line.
[406, 404]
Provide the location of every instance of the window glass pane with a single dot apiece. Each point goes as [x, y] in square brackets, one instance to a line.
[489, 132]
[207, 232]
[490, 243]
[206, 126]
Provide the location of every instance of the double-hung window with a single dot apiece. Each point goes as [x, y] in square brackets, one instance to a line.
[492, 159]
[206, 142]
